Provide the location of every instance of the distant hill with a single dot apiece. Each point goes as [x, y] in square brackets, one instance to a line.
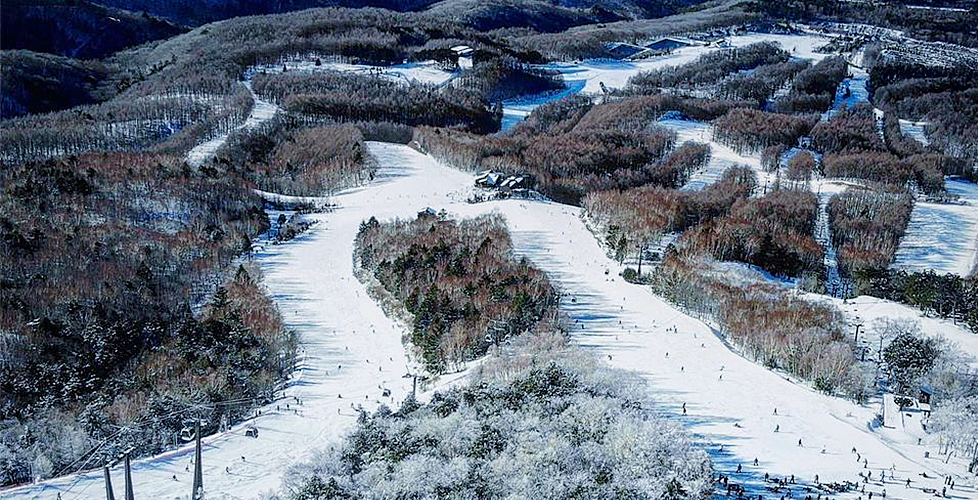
[543, 15]
[199, 12]
[37, 83]
[77, 29]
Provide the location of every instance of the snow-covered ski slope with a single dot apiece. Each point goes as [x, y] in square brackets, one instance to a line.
[420, 72]
[914, 130]
[722, 157]
[352, 350]
[261, 111]
[587, 76]
[942, 237]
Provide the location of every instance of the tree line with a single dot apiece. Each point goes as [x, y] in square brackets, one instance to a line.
[783, 332]
[709, 68]
[552, 395]
[458, 281]
[751, 130]
[630, 221]
[288, 157]
[945, 98]
[866, 230]
[760, 84]
[105, 256]
[948, 296]
[813, 89]
[773, 232]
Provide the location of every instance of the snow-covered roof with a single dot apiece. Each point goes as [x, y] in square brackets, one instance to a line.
[462, 50]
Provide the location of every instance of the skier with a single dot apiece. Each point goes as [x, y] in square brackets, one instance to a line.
[777, 428]
[799, 442]
[755, 462]
[740, 468]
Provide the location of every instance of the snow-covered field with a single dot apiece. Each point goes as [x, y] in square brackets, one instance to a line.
[942, 237]
[351, 349]
[421, 72]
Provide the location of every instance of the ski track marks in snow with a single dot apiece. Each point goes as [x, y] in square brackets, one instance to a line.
[633, 329]
[942, 237]
[730, 400]
[312, 282]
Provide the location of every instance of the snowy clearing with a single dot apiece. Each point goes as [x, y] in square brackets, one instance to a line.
[867, 310]
[422, 72]
[914, 130]
[942, 237]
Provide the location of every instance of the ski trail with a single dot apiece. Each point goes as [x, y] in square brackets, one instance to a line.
[261, 111]
[350, 350]
[346, 339]
[823, 235]
[730, 399]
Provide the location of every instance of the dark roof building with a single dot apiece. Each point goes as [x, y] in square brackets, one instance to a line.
[665, 44]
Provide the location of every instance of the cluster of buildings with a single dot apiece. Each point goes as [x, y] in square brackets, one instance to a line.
[499, 180]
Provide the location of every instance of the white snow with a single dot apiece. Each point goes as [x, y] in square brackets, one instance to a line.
[825, 190]
[421, 72]
[851, 91]
[311, 280]
[350, 348]
[261, 111]
[914, 130]
[284, 199]
[722, 156]
[942, 237]
[868, 311]
[587, 76]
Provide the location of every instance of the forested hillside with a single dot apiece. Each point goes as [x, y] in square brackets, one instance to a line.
[458, 281]
[37, 83]
[78, 28]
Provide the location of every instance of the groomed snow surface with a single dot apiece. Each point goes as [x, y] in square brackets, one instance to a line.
[421, 72]
[722, 157]
[942, 237]
[351, 349]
